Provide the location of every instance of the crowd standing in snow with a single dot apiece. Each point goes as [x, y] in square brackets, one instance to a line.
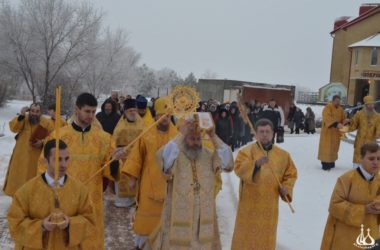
[171, 174]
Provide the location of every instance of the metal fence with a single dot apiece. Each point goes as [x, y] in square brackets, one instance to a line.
[307, 97]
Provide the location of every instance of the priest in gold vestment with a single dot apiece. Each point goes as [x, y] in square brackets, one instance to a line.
[143, 110]
[141, 167]
[333, 119]
[90, 149]
[127, 129]
[257, 214]
[355, 205]
[23, 163]
[29, 217]
[367, 124]
[52, 117]
[189, 218]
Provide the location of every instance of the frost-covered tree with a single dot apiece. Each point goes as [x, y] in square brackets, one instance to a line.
[43, 37]
[190, 80]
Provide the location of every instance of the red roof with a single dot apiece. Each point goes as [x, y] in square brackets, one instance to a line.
[360, 18]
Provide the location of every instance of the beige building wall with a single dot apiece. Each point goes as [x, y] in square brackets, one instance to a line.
[363, 73]
[341, 54]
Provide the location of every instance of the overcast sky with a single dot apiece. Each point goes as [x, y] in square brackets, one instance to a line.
[282, 42]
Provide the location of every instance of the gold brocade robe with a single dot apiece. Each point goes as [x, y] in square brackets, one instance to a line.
[368, 127]
[89, 151]
[148, 118]
[330, 137]
[188, 219]
[95, 122]
[347, 211]
[218, 177]
[23, 163]
[142, 165]
[206, 142]
[124, 133]
[33, 202]
[51, 123]
[257, 214]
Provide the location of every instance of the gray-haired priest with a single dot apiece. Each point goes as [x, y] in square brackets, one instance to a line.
[189, 216]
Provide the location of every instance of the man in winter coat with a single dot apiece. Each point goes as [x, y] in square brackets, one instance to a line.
[298, 119]
[272, 112]
[237, 125]
[309, 121]
[292, 111]
[109, 116]
[224, 127]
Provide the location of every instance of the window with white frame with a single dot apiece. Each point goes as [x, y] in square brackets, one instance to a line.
[374, 56]
[356, 56]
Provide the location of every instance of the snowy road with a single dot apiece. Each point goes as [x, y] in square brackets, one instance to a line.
[302, 230]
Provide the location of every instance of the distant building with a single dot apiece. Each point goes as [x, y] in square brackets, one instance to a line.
[227, 90]
[355, 55]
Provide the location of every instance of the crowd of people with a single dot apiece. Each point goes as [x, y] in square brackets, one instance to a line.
[171, 173]
[232, 129]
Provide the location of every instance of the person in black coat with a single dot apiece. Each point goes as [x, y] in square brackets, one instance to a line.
[109, 116]
[272, 113]
[299, 118]
[237, 125]
[292, 111]
[224, 127]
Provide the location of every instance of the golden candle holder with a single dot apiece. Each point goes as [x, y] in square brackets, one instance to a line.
[343, 131]
[57, 217]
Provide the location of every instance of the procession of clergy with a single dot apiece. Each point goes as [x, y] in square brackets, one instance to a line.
[172, 173]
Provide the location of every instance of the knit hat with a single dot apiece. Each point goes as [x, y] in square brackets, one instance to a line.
[129, 103]
[142, 102]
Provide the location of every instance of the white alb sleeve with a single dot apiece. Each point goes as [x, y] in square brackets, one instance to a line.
[169, 155]
[225, 154]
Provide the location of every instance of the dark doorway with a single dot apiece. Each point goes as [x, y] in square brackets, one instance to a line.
[377, 94]
[362, 89]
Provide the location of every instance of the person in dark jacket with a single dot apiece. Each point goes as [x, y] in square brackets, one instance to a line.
[272, 113]
[247, 130]
[115, 97]
[237, 125]
[298, 120]
[202, 107]
[292, 111]
[214, 109]
[224, 127]
[109, 116]
[309, 121]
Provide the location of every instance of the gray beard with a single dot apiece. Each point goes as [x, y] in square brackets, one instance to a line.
[192, 153]
[130, 118]
[33, 119]
[369, 112]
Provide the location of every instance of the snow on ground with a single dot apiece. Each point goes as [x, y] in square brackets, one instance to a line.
[7, 143]
[302, 230]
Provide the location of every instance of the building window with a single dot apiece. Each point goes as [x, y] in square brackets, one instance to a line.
[356, 56]
[374, 56]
